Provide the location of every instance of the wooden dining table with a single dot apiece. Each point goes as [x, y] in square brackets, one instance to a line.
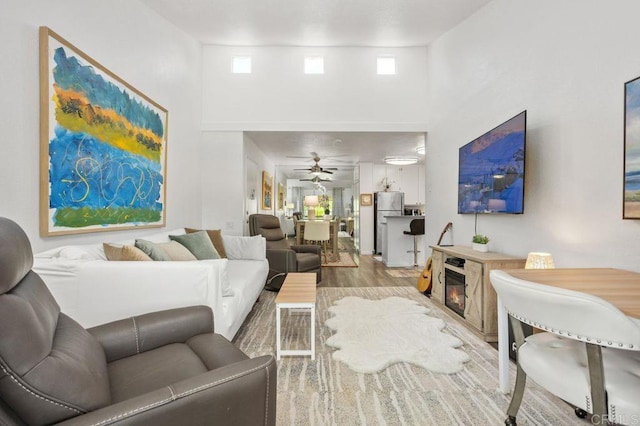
[618, 287]
[333, 236]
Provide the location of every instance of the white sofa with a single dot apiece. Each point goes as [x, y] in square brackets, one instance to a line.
[93, 290]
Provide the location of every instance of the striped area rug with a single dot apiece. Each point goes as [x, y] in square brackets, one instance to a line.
[327, 392]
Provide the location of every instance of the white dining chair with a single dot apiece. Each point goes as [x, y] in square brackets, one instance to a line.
[588, 354]
[317, 232]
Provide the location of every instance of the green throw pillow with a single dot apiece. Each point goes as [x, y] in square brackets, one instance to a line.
[153, 250]
[199, 244]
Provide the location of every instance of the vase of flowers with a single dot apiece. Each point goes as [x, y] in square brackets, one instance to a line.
[480, 243]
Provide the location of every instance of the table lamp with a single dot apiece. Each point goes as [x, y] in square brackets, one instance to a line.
[538, 260]
[311, 201]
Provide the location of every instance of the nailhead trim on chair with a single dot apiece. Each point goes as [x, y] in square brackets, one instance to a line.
[552, 330]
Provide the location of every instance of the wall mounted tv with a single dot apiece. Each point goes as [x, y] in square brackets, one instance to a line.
[491, 170]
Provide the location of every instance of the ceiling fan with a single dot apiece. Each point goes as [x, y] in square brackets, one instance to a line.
[316, 169]
[316, 179]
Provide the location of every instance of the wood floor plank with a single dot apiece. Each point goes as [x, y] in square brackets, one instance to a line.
[369, 273]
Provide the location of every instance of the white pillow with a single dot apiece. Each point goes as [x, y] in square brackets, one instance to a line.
[81, 252]
[250, 248]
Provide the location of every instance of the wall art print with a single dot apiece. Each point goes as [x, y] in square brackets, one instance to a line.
[631, 203]
[281, 200]
[267, 191]
[103, 146]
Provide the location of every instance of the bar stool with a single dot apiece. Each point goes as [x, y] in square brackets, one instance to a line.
[416, 227]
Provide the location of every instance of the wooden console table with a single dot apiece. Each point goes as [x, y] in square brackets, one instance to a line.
[480, 310]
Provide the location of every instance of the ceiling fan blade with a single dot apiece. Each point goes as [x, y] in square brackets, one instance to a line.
[326, 171]
[329, 168]
[307, 169]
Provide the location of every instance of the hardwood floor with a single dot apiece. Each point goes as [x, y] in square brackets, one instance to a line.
[369, 273]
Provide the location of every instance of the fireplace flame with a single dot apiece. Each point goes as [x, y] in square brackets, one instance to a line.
[455, 298]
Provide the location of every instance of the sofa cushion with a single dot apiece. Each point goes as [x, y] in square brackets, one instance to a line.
[124, 252]
[251, 248]
[138, 374]
[153, 250]
[216, 238]
[177, 251]
[199, 244]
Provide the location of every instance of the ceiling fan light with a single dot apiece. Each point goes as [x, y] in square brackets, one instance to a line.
[400, 161]
[316, 173]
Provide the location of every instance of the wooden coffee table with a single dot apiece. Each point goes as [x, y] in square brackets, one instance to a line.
[297, 292]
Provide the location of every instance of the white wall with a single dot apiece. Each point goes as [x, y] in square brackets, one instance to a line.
[366, 185]
[134, 43]
[350, 96]
[256, 155]
[279, 96]
[222, 165]
[566, 63]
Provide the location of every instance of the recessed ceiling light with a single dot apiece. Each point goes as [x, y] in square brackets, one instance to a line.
[400, 161]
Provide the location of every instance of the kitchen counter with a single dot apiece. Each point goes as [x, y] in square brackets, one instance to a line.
[397, 248]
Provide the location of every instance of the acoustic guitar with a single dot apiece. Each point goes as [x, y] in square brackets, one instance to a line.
[424, 279]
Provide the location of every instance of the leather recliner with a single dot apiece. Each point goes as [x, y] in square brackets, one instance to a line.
[283, 257]
[162, 368]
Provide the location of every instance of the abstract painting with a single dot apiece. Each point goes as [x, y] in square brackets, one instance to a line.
[103, 146]
[631, 203]
[267, 191]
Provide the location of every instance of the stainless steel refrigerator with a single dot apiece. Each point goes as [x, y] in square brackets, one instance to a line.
[389, 203]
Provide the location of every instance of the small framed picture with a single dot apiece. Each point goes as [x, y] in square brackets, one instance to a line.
[366, 199]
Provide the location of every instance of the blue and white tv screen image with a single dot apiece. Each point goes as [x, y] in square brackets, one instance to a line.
[491, 170]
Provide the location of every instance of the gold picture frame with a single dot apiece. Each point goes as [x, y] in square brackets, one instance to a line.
[366, 199]
[267, 191]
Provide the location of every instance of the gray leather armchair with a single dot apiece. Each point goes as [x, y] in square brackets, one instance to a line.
[284, 258]
[162, 368]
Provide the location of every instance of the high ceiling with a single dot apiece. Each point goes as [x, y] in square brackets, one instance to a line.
[380, 23]
[371, 23]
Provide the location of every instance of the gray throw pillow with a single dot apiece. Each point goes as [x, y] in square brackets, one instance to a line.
[199, 244]
[153, 250]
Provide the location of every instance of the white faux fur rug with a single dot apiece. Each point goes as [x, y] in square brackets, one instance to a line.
[374, 334]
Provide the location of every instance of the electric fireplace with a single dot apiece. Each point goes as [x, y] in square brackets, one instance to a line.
[454, 291]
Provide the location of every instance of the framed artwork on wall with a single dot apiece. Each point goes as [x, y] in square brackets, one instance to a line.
[631, 193]
[366, 199]
[103, 146]
[267, 191]
[281, 201]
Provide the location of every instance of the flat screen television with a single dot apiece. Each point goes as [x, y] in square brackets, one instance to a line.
[491, 170]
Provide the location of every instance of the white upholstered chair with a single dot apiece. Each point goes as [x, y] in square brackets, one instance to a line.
[589, 355]
[317, 231]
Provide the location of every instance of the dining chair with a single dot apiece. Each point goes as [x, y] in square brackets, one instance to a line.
[317, 231]
[588, 353]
